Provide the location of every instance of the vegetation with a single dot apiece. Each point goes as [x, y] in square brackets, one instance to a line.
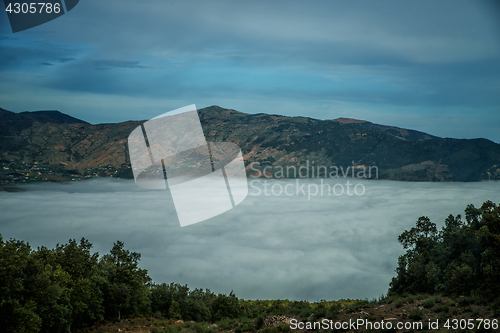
[68, 287]
[453, 273]
[53, 290]
[461, 259]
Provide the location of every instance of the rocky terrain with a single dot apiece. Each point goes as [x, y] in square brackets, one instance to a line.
[417, 312]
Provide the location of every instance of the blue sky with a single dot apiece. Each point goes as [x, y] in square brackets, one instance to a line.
[425, 65]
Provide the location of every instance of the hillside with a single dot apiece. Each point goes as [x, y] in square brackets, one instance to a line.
[279, 141]
[53, 146]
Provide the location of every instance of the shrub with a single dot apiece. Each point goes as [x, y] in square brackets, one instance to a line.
[259, 322]
[399, 303]
[429, 303]
[416, 314]
[198, 328]
[496, 307]
[442, 309]
[475, 314]
[284, 328]
[226, 324]
[270, 330]
[464, 301]
[304, 314]
[389, 299]
[332, 312]
[410, 298]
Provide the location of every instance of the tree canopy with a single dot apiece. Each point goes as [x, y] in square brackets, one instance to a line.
[461, 259]
[56, 290]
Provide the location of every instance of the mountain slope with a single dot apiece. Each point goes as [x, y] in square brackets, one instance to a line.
[280, 141]
[268, 140]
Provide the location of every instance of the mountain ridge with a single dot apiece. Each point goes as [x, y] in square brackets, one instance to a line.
[265, 139]
[403, 133]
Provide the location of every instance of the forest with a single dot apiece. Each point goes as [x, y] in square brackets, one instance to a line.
[69, 287]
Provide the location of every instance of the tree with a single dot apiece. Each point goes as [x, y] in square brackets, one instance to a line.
[125, 284]
[85, 295]
[225, 306]
[55, 290]
[17, 312]
[424, 231]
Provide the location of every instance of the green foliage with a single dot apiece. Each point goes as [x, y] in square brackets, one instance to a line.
[259, 322]
[69, 287]
[227, 324]
[55, 290]
[465, 301]
[416, 314]
[245, 326]
[178, 302]
[279, 329]
[461, 259]
[496, 307]
[410, 298]
[18, 311]
[442, 309]
[429, 303]
[168, 329]
[225, 306]
[125, 291]
[399, 303]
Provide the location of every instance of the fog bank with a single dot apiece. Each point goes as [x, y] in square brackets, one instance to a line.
[300, 247]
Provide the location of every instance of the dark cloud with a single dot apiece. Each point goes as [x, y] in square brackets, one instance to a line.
[424, 32]
[267, 247]
[413, 58]
[25, 55]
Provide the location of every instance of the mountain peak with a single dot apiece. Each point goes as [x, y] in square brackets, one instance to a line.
[52, 116]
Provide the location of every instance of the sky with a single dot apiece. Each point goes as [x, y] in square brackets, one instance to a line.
[425, 65]
[299, 246]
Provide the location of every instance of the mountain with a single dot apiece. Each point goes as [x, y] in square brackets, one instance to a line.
[54, 146]
[13, 123]
[276, 140]
[54, 117]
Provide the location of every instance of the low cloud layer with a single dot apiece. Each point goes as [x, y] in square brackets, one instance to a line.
[268, 247]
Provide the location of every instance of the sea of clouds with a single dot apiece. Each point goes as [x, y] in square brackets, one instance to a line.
[300, 246]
